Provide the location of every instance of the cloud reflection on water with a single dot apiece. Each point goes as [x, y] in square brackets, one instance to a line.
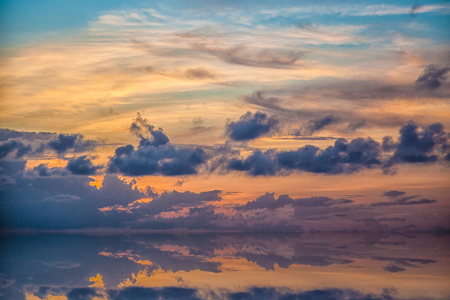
[224, 266]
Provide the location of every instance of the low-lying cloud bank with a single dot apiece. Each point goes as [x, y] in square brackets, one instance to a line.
[66, 201]
[156, 155]
[46, 197]
[414, 145]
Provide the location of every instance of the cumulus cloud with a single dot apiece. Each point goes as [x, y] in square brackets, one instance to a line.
[418, 146]
[65, 142]
[155, 155]
[427, 145]
[12, 145]
[82, 166]
[343, 157]
[251, 126]
[35, 144]
[44, 170]
[258, 163]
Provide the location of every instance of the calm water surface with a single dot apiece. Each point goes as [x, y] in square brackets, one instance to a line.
[225, 266]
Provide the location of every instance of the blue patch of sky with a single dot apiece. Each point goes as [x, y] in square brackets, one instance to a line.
[25, 20]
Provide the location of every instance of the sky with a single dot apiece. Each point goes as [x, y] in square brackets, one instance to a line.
[225, 115]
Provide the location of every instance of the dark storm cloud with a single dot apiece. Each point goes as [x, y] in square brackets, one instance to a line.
[432, 77]
[251, 126]
[253, 57]
[155, 155]
[82, 166]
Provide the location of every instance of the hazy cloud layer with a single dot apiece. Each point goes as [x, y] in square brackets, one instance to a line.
[336, 100]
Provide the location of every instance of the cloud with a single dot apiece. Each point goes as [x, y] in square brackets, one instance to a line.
[75, 142]
[36, 144]
[82, 166]
[173, 201]
[155, 155]
[268, 201]
[354, 101]
[432, 77]
[62, 198]
[416, 146]
[199, 73]
[44, 170]
[82, 294]
[399, 264]
[413, 146]
[393, 268]
[257, 164]
[253, 57]
[357, 124]
[64, 202]
[343, 157]
[317, 125]
[11, 146]
[251, 126]
[131, 293]
[327, 293]
[393, 194]
[403, 201]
